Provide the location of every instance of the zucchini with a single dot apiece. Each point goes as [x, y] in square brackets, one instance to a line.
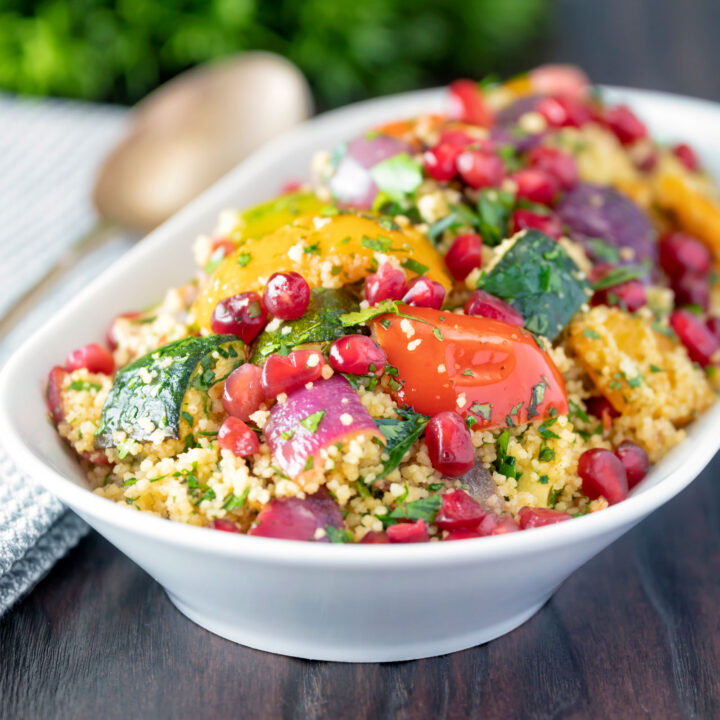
[149, 394]
[540, 280]
[319, 324]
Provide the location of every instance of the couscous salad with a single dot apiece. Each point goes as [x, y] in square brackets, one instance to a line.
[468, 324]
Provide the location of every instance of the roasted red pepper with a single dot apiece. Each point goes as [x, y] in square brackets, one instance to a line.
[490, 370]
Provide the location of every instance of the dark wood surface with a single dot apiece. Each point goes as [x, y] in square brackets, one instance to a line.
[634, 633]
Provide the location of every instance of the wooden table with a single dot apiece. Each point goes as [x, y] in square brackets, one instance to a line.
[636, 632]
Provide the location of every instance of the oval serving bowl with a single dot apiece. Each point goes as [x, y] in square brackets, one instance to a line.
[362, 603]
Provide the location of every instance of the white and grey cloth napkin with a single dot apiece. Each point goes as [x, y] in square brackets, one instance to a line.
[49, 153]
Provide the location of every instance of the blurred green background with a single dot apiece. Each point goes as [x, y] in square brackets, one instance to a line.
[349, 49]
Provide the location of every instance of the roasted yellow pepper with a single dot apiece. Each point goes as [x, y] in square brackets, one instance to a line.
[328, 251]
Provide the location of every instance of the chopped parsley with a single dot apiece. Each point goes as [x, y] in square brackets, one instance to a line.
[619, 275]
[414, 266]
[84, 385]
[379, 244]
[233, 502]
[244, 258]
[311, 422]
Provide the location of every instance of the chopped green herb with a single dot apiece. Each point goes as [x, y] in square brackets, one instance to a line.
[588, 333]
[336, 535]
[484, 410]
[414, 266]
[379, 244]
[397, 177]
[312, 249]
[129, 481]
[400, 435]
[620, 275]
[244, 258]
[311, 422]
[233, 502]
[84, 385]
[437, 333]
[546, 454]
[423, 509]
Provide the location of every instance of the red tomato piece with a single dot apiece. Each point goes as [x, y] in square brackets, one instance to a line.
[470, 365]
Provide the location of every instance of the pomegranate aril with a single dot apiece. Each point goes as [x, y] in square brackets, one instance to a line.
[224, 525]
[686, 155]
[536, 185]
[532, 517]
[602, 408]
[528, 220]
[440, 162]
[625, 125]
[287, 295]
[480, 168]
[242, 392]
[53, 393]
[424, 292]
[242, 315]
[561, 111]
[483, 303]
[357, 355]
[449, 444]
[459, 510]
[700, 343]
[410, 532]
[388, 283]
[556, 163]
[93, 357]
[285, 373]
[713, 325]
[629, 295]
[234, 435]
[681, 253]
[635, 461]
[464, 255]
[467, 103]
[602, 473]
[462, 534]
[691, 289]
[497, 525]
[461, 139]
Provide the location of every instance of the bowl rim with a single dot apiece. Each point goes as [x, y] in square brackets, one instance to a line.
[676, 470]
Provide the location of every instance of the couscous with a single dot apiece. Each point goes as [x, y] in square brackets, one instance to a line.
[468, 324]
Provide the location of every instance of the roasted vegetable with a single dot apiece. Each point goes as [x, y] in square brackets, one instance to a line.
[594, 212]
[489, 371]
[319, 324]
[147, 400]
[295, 518]
[540, 280]
[328, 251]
[311, 420]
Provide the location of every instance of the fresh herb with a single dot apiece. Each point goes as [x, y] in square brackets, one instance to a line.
[338, 535]
[309, 464]
[84, 385]
[312, 249]
[397, 177]
[438, 335]
[494, 209]
[435, 487]
[329, 211]
[399, 436]
[553, 498]
[414, 266]
[505, 464]
[233, 502]
[602, 251]
[244, 258]
[546, 454]
[536, 397]
[484, 410]
[619, 275]
[544, 480]
[129, 481]
[187, 417]
[423, 509]
[379, 244]
[577, 411]
[287, 434]
[591, 334]
[311, 422]
[655, 368]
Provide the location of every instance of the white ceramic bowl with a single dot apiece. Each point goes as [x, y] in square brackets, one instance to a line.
[327, 602]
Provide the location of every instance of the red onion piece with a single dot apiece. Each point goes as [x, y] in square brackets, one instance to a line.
[312, 419]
